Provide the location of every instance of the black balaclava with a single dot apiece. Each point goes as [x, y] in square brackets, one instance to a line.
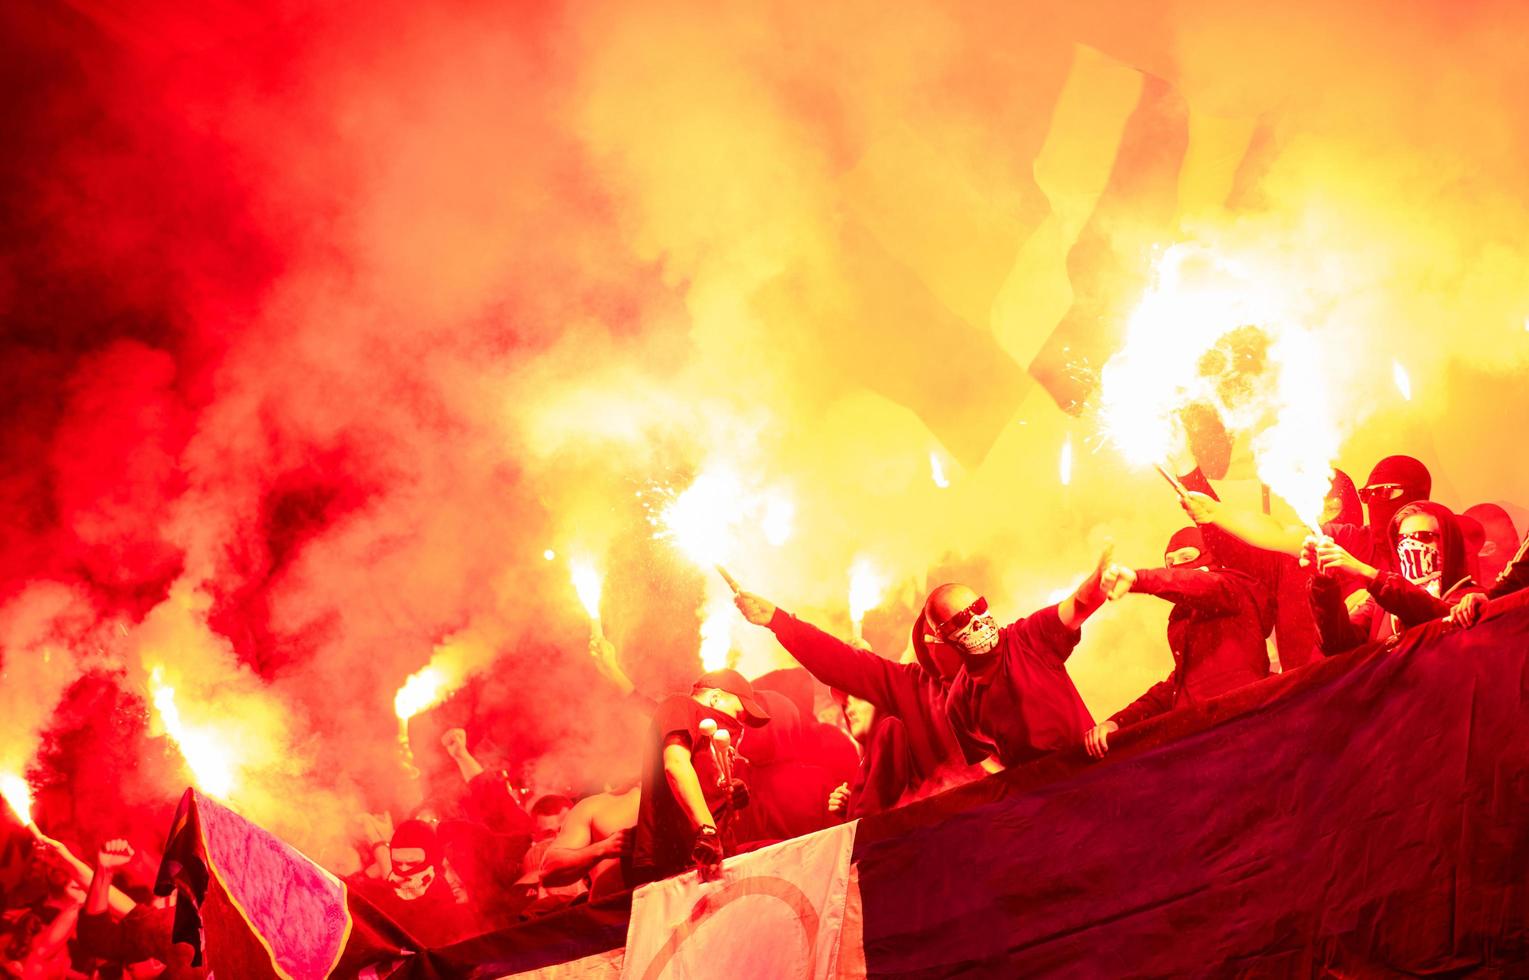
[1407, 472]
[1190, 537]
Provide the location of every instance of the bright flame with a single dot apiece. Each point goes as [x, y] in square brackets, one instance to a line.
[549, 554]
[1208, 333]
[779, 516]
[717, 634]
[210, 761]
[1402, 379]
[1064, 465]
[937, 471]
[586, 582]
[701, 520]
[424, 688]
[706, 521]
[866, 588]
[18, 794]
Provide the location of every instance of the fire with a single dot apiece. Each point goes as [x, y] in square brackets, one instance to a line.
[702, 520]
[18, 794]
[1064, 465]
[586, 582]
[425, 688]
[1403, 380]
[779, 516]
[1208, 333]
[210, 761]
[866, 588]
[717, 635]
[937, 471]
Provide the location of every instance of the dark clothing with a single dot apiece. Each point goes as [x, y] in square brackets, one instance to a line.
[1022, 705]
[905, 691]
[1515, 576]
[788, 788]
[143, 934]
[434, 919]
[1392, 603]
[1214, 632]
[881, 782]
[664, 835]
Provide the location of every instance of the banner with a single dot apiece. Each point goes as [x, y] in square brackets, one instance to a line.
[254, 907]
[782, 906]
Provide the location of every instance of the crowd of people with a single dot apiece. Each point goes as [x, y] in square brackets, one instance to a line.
[733, 765]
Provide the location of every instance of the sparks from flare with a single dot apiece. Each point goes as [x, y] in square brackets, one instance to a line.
[866, 588]
[1402, 379]
[210, 761]
[18, 794]
[1210, 334]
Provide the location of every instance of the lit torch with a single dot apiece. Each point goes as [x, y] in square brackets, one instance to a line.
[1403, 380]
[937, 471]
[1064, 464]
[865, 592]
[18, 794]
[424, 689]
[209, 759]
[586, 582]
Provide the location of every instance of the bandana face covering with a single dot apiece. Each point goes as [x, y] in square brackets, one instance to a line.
[977, 637]
[413, 885]
[1422, 562]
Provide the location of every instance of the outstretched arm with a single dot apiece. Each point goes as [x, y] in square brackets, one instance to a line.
[859, 672]
[1087, 597]
[1256, 528]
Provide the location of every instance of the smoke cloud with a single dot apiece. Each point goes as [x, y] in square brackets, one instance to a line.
[321, 327]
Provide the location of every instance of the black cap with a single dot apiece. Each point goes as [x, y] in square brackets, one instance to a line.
[732, 682]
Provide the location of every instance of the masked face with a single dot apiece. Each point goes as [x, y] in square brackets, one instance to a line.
[1185, 557]
[412, 875]
[1420, 551]
[972, 630]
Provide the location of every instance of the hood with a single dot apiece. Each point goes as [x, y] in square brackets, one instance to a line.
[1351, 510]
[1451, 542]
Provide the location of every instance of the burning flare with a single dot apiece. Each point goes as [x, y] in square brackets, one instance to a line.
[586, 582]
[18, 794]
[425, 688]
[1064, 465]
[866, 588]
[717, 634]
[1208, 334]
[210, 761]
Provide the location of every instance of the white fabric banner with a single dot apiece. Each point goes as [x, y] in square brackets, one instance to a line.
[774, 912]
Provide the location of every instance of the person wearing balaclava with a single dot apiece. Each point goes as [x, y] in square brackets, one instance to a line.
[913, 694]
[1428, 552]
[1513, 578]
[1394, 482]
[416, 893]
[1214, 631]
[1012, 700]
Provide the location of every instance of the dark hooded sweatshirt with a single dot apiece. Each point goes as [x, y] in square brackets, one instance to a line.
[1515, 576]
[1017, 702]
[913, 693]
[1214, 631]
[1392, 603]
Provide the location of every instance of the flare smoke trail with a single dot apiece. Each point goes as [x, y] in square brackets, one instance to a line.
[322, 326]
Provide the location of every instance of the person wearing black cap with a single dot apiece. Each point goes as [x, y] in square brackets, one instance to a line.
[1214, 631]
[1428, 551]
[1012, 700]
[686, 795]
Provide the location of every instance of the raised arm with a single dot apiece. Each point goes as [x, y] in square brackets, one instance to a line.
[859, 672]
[1205, 591]
[1087, 597]
[1253, 527]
